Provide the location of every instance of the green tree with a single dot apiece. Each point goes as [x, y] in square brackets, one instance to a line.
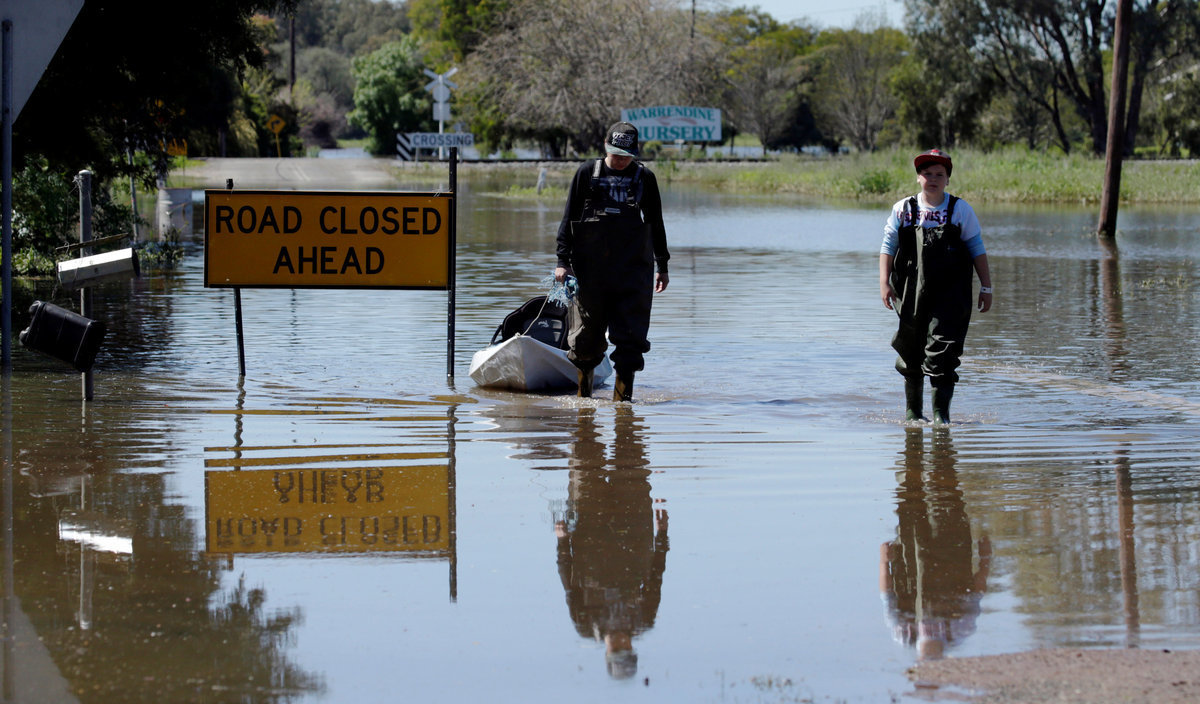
[324, 94]
[348, 27]
[1164, 37]
[451, 29]
[129, 88]
[1176, 114]
[390, 95]
[852, 94]
[939, 107]
[762, 72]
[1052, 52]
[114, 90]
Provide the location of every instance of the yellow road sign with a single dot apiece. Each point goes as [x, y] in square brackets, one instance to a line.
[330, 239]
[275, 123]
[374, 509]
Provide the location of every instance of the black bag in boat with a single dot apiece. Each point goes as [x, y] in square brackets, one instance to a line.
[541, 319]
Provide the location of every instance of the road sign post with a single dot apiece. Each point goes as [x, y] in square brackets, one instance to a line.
[275, 123]
[440, 87]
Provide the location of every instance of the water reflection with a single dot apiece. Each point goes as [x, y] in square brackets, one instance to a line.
[352, 497]
[114, 600]
[929, 577]
[1128, 548]
[612, 542]
[1077, 460]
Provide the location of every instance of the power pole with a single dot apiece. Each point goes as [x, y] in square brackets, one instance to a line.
[1114, 149]
[292, 59]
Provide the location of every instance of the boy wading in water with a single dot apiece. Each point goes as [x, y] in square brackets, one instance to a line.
[931, 243]
[611, 238]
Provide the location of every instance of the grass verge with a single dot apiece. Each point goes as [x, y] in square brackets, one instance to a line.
[1014, 175]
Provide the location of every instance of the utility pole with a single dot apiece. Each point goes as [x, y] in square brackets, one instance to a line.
[292, 58]
[1115, 147]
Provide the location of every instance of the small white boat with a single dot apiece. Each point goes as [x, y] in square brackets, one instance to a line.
[526, 364]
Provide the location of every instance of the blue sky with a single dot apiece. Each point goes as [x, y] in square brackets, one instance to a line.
[823, 12]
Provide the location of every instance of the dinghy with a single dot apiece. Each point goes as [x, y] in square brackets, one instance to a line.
[529, 351]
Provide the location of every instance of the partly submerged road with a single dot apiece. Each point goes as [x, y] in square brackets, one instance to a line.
[300, 173]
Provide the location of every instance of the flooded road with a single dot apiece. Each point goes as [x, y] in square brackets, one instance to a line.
[344, 525]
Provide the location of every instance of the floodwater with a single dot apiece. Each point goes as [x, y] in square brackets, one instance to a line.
[345, 525]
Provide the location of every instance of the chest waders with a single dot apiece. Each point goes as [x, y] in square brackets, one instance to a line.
[613, 258]
[932, 275]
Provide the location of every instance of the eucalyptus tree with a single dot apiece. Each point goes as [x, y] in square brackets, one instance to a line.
[1051, 52]
[761, 70]
[852, 96]
[560, 71]
[942, 89]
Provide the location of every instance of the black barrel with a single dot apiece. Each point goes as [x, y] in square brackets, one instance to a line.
[64, 335]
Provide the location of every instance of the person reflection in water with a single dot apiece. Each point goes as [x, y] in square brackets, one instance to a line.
[927, 577]
[612, 544]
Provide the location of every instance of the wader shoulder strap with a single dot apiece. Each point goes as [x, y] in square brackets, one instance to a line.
[950, 208]
[908, 233]
[632, 197]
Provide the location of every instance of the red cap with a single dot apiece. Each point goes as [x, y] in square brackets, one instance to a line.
[933, 156]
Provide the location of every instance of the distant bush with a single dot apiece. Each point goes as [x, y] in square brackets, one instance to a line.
[876, 182]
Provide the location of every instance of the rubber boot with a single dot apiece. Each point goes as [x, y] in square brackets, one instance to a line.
[941, 404]
[586, 382]
[914, 391]
[623, 389]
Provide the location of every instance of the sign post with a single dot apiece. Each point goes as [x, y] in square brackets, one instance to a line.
[331, 239]
[275, 123]
[440, 87]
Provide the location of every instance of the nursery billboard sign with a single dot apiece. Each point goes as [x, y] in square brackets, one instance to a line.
[670, 123]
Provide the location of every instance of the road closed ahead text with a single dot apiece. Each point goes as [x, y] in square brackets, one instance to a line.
[327, 239]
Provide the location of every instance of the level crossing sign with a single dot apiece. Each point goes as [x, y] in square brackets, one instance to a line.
[433, 140]
[408, 142]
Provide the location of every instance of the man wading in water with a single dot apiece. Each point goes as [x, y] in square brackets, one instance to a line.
[610, 239]
[931, 242]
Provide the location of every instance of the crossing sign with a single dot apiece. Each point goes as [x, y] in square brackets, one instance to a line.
[433, 140]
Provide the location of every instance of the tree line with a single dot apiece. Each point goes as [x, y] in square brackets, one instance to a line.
[212, 79]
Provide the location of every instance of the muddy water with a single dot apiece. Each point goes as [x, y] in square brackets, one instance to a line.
[344, 525]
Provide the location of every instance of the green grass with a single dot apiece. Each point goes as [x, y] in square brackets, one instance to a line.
[1010, 175]
[556, 193]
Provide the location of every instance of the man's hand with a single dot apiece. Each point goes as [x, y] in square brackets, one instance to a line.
[561, 273]
[660, 281]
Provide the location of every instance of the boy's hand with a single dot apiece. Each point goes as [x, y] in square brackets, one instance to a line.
[985, 302]
[888, 294]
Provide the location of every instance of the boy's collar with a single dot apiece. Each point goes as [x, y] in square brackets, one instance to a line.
[924, 201]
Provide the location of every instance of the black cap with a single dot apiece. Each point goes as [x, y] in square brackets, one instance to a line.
[621, 139]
